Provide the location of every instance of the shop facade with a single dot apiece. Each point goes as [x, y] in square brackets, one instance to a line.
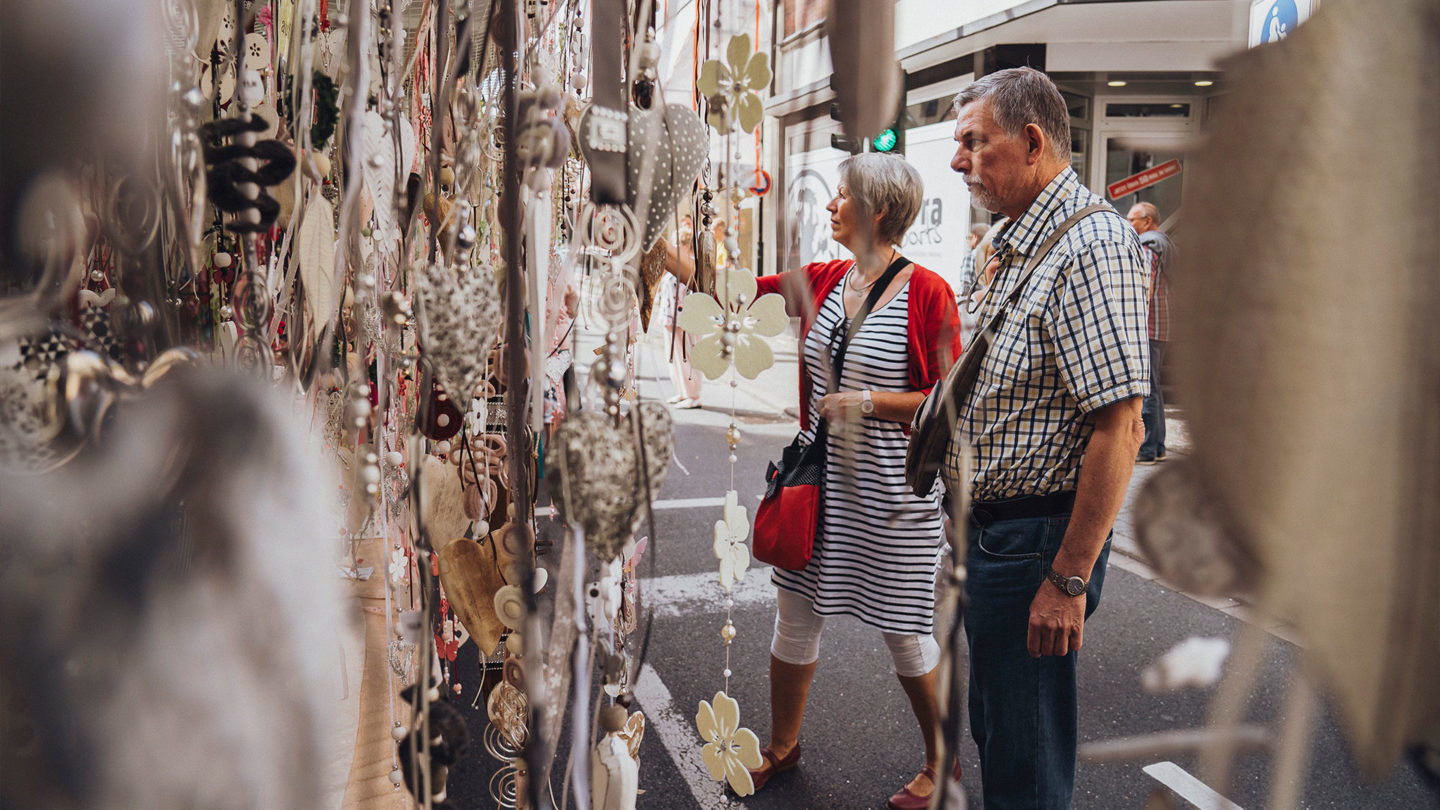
[1140, 78]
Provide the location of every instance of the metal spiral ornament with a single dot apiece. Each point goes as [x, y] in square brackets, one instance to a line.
[609, 231]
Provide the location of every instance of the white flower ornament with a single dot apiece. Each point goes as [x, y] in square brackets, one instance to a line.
[730, 536]
[399, 565]
[730, 751]
[736, 332]
[732, 91]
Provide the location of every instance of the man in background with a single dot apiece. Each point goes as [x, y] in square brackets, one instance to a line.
[969, 270]
[1144, 217]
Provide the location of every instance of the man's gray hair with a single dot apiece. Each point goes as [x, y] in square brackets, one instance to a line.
[885, 184]
[1021, 96]
[1148, 210]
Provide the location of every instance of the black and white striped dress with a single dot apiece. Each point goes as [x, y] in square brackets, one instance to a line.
[878, 546]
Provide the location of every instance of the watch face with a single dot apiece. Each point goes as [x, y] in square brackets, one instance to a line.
[1074, 586]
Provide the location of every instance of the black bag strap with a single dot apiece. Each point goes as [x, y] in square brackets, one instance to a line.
[837, 358]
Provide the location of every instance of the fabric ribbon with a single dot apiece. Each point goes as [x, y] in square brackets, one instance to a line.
[606, 133]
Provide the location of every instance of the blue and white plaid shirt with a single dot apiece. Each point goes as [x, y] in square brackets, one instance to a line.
[1074, 341]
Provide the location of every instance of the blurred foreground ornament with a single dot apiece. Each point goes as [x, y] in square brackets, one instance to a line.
[1317, 442]
[47, 421]
[868, 83]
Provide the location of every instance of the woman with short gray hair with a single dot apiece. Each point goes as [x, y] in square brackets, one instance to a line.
[878, 546]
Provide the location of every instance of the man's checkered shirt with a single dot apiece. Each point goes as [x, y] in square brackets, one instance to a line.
[1073, 342]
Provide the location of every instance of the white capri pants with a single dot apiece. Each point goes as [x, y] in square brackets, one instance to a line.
[797, 638]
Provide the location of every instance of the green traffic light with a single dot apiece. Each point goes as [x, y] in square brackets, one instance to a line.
[885, 141]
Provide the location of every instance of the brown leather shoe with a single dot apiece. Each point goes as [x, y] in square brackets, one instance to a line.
[761, 776]
[906, 799]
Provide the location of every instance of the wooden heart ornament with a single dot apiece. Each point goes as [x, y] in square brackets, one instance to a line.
[598, 465]
[470, 572]
[670, 144]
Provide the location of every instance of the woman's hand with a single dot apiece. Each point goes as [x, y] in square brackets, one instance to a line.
[841, 407]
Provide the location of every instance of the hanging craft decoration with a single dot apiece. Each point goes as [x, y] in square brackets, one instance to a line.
[670, 145]
[381, 165]
[234, 187]
[733, 334]
[470, 572]
[731, 532]
[732, 92]
[730, 751]
[316, 253]
[599, 480]
[460, 322]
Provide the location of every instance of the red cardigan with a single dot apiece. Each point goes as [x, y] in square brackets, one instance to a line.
[932, 321]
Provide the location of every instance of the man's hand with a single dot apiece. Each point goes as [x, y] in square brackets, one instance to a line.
[1057, 622]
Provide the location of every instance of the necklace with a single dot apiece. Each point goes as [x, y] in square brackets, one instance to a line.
[893, 255]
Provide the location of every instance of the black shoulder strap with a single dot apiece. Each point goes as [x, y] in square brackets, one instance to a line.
[837, 362]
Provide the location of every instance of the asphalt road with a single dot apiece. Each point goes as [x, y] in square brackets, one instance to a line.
[860, 740]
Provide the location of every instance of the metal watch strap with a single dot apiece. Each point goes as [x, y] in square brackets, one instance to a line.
[1063, 582]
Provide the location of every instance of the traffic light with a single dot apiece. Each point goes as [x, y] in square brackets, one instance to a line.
[844, 143]
[892, 138]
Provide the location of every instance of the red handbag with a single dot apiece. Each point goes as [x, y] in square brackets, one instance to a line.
[789, 515]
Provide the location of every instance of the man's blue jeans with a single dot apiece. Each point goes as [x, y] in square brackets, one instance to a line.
[1153, 409]
[1023, 710]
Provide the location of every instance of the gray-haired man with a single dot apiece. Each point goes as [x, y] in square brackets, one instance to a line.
[1054, 420]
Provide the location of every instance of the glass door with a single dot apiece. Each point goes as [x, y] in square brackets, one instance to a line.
[1130, 155]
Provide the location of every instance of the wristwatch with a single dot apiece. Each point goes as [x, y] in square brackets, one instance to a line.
[1070, 586]
[867, 405]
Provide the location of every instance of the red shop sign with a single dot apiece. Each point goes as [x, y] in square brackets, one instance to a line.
[1149, 177]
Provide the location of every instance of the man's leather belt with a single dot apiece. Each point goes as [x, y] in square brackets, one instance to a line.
[984, 513]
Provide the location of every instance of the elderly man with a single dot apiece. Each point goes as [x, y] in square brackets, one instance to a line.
[1145, 219]
[1054, 422]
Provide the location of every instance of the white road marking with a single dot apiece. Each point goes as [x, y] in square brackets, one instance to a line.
[1188, 787]
[660, 506]
[682, 594]
[677, 733]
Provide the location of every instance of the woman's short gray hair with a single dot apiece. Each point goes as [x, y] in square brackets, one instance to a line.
[886, 184]
[1021, 96]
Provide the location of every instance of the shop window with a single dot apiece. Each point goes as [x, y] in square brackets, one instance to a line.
[1078, 106]
[1080, 152]
[930, 112]
[1162, 109]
